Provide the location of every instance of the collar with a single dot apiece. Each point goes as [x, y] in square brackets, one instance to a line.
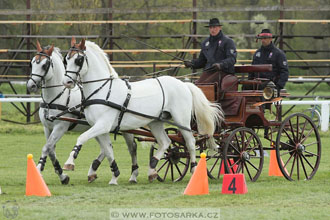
[268, 48]
[216, 37]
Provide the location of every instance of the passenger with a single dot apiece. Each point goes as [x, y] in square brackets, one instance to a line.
[269, 54]
[217, 57]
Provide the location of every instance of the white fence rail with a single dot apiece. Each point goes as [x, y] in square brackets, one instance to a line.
[325, 112]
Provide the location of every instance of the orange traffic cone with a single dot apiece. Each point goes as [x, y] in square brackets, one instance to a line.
[274, 170]
[35, 184]
[198, 183]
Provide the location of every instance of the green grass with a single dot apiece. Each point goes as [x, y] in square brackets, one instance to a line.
[268, 198]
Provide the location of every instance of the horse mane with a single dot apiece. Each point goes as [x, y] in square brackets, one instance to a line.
[95, 47]
[58, 52]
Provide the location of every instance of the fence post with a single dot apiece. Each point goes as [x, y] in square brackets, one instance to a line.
[325, 116]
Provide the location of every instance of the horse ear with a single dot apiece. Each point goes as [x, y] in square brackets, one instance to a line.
[82, 44]
[73, 41]
[50, 51]
[39, 49]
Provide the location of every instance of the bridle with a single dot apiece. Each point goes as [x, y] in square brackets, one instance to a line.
[79, 61]
[45, 67]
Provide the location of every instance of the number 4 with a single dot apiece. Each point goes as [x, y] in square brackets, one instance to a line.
[232, 185]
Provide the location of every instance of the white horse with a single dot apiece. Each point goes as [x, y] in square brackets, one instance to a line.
[47, 73]
[163, 97]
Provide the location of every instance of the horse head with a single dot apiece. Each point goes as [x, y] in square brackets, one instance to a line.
[41, 67]
[75, 63]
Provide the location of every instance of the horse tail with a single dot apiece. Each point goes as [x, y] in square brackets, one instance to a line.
[207, 114]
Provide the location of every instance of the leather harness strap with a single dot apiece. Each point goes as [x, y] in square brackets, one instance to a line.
[118, 107]
[123, 108]
[63, 108]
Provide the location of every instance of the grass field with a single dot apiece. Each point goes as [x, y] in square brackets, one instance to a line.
[268, 198]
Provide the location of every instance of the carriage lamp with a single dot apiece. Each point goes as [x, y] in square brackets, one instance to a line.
[270, 91]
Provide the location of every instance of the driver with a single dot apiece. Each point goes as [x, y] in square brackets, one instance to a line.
[217, 56]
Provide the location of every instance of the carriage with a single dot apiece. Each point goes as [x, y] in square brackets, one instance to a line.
[295, 139]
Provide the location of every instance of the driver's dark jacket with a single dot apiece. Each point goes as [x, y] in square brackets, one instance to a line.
[272, 55]
[217, 49]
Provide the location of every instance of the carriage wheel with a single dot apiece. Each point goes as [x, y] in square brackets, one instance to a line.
[298, 147]
[213, 160]
[243, 153]
[175, 163]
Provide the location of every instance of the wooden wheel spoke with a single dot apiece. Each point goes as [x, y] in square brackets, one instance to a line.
[231, 166]
[292, 131]
[311, 153]
[243, 140]
[235, 149]
[303, 166]
[238, 169]
[288, 136]
[294, 160]
[288, 160]
[166, 171]
[252, 165]
[232, 156]
[178, 169]
[215, 163]
[220, 166]
[248, 142]
[287, 152]
[182, 163]
[310, 144]
[302, 131]
[310, 165]
[298, 166]
[298, 128]
[162, 166]
[237, 142]
[172, 173]
[308, 134]
[286, 144]
[247, 170]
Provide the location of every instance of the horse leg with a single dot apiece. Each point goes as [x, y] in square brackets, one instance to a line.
[49, 147]
[44, 152]
[106, 146]
[94, 131]
[190, 144]
[157, 130]
[95, 165]
[184, 120]
[58, 169]
[131, 145]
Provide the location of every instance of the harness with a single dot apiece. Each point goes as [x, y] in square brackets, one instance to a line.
[122, 108]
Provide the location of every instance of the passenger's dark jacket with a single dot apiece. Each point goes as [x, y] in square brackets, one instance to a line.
[217, 49]
[272, 55]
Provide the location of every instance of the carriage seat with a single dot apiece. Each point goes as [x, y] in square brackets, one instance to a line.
[231, 105]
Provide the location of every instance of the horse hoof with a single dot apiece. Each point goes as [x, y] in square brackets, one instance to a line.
[66, 180]
[153, 177]
[68, 167]
[113, 183]
[133, 181]
[91, 178]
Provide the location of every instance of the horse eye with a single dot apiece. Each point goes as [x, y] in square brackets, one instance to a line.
[45, 66]
[79, 61]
